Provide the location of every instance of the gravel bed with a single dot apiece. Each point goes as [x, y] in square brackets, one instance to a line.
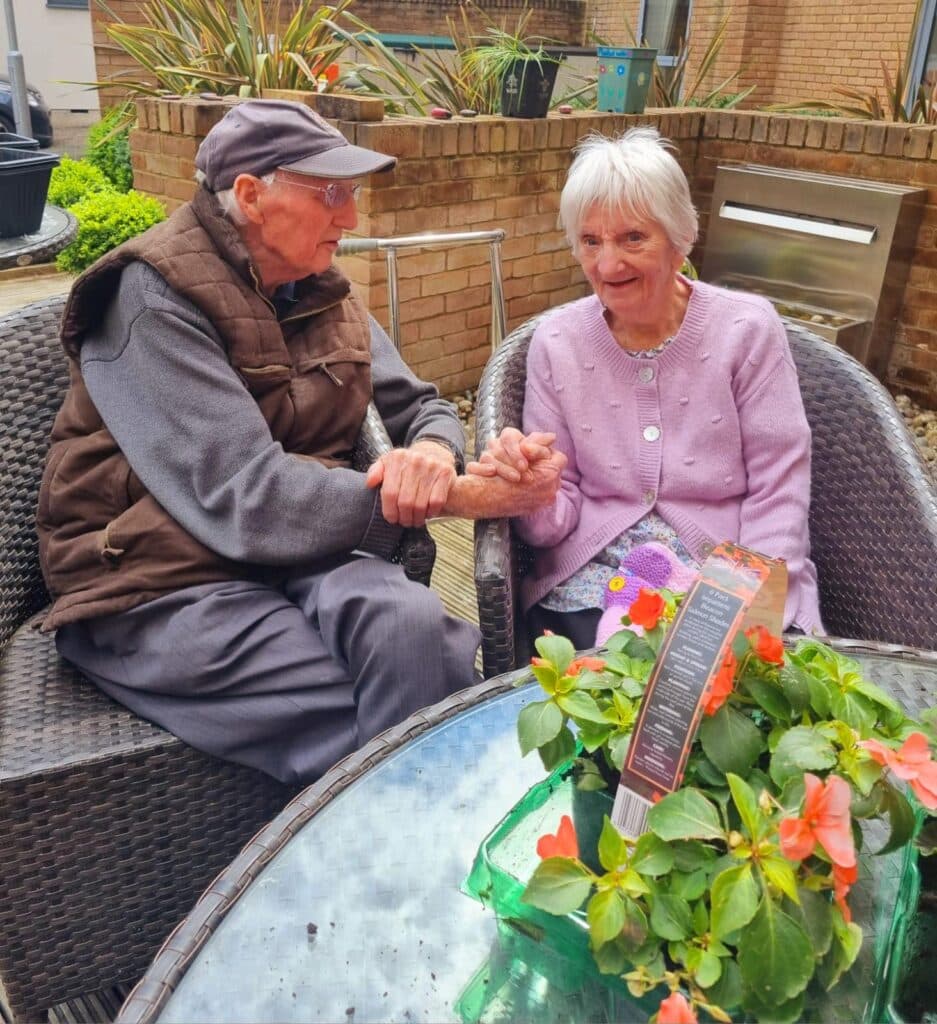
[921, 422]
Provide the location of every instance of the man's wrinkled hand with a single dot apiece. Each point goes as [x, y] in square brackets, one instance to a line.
[512, 454]
[415, 482]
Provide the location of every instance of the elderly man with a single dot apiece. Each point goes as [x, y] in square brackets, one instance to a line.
[216, 564]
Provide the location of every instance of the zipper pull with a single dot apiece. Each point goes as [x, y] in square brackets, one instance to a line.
[331, 376]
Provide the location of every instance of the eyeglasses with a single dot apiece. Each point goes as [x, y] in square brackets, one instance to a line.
[334, 195]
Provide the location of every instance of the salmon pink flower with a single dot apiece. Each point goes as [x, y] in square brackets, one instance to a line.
[912, 762]
[563, 844]
[825, 820]
[768, 647]
[539, 662]
[722, 685]
[646, 609]
[592, 664]
[843, 880]
[676, 1010]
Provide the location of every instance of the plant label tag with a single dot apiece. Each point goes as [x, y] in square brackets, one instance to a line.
[737, 588]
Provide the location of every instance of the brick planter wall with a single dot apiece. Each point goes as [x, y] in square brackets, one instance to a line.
[500, 173]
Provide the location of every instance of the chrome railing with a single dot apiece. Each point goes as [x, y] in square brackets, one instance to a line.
[390, 247]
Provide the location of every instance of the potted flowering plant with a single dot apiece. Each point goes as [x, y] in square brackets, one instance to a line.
[737, 896]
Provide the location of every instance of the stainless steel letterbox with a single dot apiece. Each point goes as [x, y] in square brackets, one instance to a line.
[832, 253]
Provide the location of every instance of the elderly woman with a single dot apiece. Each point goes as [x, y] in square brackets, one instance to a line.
[675, 402]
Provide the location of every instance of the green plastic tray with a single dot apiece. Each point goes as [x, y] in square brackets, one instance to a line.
[553, 952]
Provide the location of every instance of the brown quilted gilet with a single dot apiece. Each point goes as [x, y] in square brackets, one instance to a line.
[105, 544]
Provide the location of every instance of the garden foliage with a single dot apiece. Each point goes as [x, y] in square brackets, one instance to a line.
[109, 148]
[736, 898]
[105, 219]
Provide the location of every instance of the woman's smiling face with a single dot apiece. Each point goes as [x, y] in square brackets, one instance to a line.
[630, 263]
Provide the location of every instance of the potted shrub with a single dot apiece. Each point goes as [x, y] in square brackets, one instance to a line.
[525, 70]
[736, 898]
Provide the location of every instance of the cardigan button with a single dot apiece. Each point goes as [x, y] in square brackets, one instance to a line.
[649, 497]
[646, 374]
[651, 433]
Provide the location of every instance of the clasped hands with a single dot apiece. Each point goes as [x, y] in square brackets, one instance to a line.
[516, 475]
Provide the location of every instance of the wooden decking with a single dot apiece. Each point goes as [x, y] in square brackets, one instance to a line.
[453, 578]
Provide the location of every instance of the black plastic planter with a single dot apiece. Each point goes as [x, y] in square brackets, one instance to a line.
[9, 140]
[527, 87]
[24, 184]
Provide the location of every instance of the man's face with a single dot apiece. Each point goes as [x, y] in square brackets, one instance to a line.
[300, 223]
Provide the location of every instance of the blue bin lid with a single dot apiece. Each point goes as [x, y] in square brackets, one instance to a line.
[628, 53]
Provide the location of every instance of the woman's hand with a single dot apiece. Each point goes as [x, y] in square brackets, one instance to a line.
[476, 497]
[512, 455]
[415, 482]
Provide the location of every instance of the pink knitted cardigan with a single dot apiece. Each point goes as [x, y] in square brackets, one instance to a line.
[711, 434]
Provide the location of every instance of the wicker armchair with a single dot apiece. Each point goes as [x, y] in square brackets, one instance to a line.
[873, 510]
[110, 828]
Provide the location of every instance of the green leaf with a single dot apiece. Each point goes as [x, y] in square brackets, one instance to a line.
[868, 689]
[747, 805]
[821, 692]
[686, 814]
[671, 918]
[538, 723]
[815, 913]
[634, 932]
[613, 850]
[731, 740]
[847, 941]
[771, 698]
[610, 958]
[546, 677]
[618, 744]
[795, 683]
[631, 644]
[691, 855]
[688, 886]
[900, 818]
[593, 736]
[561, 748]
[557, 650]
[769, 1011]
[606, 915]
[855, 710]
[559, 885]
[780, 873]
[706, 966]
[580, 704]
[651, 856]
[800, 749]
[735, 895]
[775, 955]
[587, 774]
[727, 991]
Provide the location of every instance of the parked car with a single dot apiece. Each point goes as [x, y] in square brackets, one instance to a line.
[40, 118]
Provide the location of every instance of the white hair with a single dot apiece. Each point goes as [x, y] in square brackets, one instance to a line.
[635, 172]
[229, 204]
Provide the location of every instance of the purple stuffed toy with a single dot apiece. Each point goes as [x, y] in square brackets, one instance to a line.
[650, 566]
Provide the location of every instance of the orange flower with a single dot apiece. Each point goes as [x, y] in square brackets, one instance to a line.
[843, 880]
[769, 648]
[592, 664]
[646, 609]
[722, 685]
[331, 73]
[912, 762]
[563, 844]
[676, 1010]
[825, 821]
[539, 662]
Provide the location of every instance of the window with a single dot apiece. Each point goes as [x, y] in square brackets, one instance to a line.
[80, 4]
[664, 24]
[922, 68]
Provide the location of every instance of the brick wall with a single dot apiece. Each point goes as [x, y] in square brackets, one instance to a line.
[802, 49]
[495, 173]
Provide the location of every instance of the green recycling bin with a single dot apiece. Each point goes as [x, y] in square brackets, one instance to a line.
[624, 78]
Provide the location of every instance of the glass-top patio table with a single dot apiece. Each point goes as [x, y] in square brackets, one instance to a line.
[347, 907]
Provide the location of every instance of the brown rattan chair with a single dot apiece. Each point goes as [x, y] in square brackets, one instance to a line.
[110, 828]
[873, 508]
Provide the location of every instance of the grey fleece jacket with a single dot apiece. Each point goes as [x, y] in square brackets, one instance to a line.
[159, 376]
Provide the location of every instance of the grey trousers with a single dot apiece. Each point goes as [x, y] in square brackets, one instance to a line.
[289, 676]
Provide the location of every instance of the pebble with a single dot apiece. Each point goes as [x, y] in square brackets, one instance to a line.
[565, 108]
[468, 113]
[440, 113]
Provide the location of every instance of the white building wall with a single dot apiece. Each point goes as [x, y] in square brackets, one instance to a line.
[57, 50]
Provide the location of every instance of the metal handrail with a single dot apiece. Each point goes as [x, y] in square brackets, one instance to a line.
[389, 246]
